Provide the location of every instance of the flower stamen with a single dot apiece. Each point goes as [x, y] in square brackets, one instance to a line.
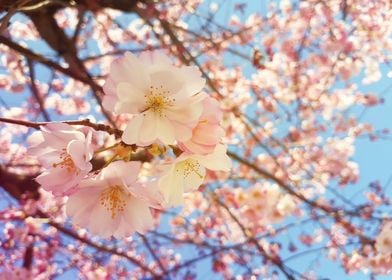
[66, 162]
[190, 166]
[157, 100]
[114, 199]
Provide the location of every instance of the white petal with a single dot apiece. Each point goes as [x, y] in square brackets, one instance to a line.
[102, 223]
[165, 131]
[89, 150]
[193, 82]
[48, 159]
[57, 135]
[148, 131]
[172, 188]
[167, 80]
[192, 172]
[186, 113]
[56, 180]
[132, 131]
[81, 202]
[148, 193]
[182, 132]
[76, 149]
[138, 215]
[131, 100]
[155, 58]
[218, 160]
[131, 70]
[126, 172]
[183, 100]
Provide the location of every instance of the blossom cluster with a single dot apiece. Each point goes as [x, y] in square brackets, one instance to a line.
[293, 109]
[376, 257]
[169, 118]
[261, 207]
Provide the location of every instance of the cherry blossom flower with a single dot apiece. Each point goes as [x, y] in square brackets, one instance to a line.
[65, 153]
[208, 132]
[188, 171]
[292, 108]
[113, 203]
[165, 101]
[384, 239]
[17, 273]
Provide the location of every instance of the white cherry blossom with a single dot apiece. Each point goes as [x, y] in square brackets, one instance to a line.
[188, 171]
[164, 100]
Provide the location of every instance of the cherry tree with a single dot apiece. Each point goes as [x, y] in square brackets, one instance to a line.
[191, 139]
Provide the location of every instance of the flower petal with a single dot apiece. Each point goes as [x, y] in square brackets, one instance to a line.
[172, 188]
[48, 159]
[192, 172]
[165, 131]
[138, 216]
[193, 82]
[149, 130]
[187, 112]
[131, 133]
[126, 172]
[131, 70]
[147, 192]
[218, 160]
[131, 99]
[155, 58]
[57, 180]
[182, 132]
[77, 150]
[57, 135]
[165, 79]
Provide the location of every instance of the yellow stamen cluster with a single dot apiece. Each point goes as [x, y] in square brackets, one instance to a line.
[157, 100]
[66, 162]
[114, 199]
[188, 167]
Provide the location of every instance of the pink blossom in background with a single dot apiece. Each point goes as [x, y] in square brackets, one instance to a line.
[16, 274]
[144, 188]
[384, 239]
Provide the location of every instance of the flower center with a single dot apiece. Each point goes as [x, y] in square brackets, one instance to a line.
[66, 162]
[114, 199]
[157, 100]
[188, 167]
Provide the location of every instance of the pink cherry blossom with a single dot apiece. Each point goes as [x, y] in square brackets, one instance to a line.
[384, 239]
[208, 132]
[290, 77]
[113, 203]
[17, 273]
[65, 153]
[164, 100]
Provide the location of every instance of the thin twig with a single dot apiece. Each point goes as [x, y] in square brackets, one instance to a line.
[35, 91]
[85, 122]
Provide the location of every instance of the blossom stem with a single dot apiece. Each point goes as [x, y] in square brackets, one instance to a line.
[110, 160]
[106, 148]
[86, 122]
